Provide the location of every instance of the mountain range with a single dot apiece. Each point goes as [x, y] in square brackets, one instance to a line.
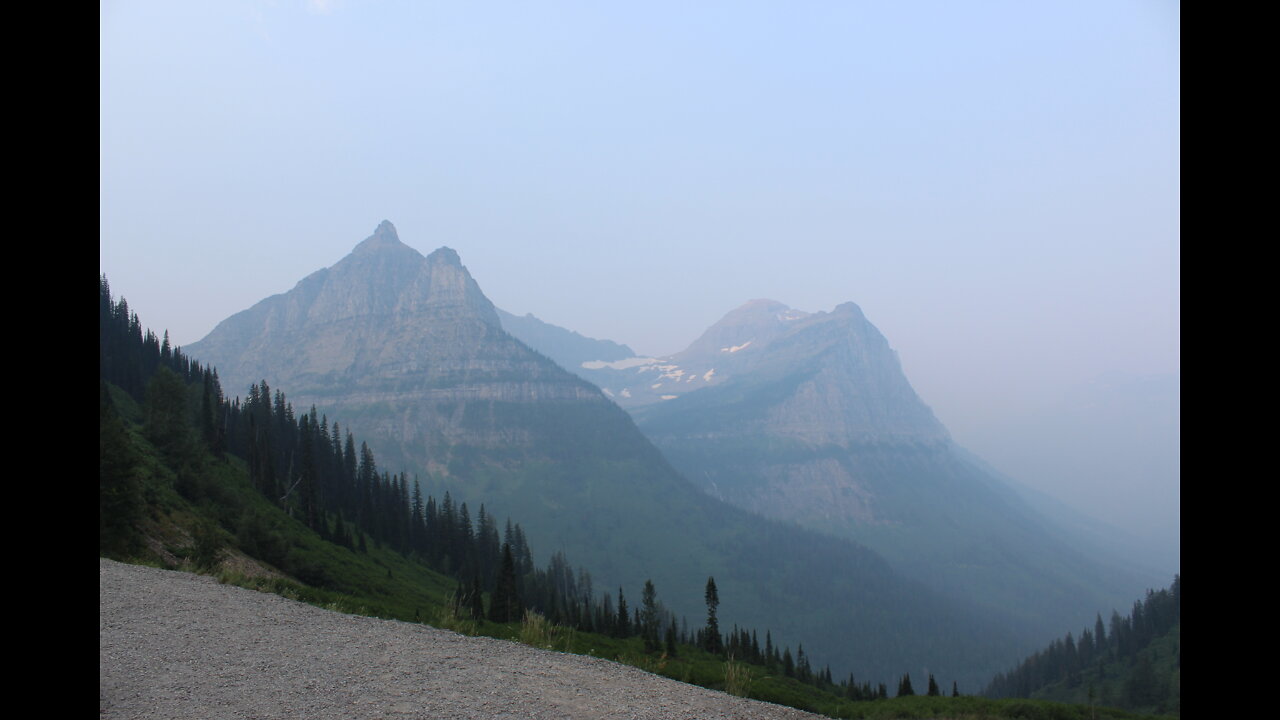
[808, 418]
[783, 453]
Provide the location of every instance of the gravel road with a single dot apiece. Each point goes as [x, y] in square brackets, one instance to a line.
[176, 645]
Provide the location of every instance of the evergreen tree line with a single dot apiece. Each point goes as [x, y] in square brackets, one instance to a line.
[1066, 658]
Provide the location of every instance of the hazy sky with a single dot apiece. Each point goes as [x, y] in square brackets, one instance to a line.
[996, 184]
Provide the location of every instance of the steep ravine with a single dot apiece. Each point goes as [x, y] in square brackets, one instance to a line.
[176, 645]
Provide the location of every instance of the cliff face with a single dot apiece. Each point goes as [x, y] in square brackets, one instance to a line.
[401, 346]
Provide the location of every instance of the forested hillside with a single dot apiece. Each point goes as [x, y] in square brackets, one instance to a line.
[1134, 662]
[291, 490]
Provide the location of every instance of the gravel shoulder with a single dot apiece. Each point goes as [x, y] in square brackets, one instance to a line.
[177, 645]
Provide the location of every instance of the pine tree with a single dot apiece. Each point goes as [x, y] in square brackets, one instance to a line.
[649, 617]
[711, 635]
[904, 686]
[933, 687]
[505, 604]
[621, 626]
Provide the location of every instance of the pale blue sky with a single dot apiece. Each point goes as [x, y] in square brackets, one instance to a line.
[996, 184]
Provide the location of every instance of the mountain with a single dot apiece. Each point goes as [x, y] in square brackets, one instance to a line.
[402, 346]
[808, 418]
[406, 351]
[566, 347]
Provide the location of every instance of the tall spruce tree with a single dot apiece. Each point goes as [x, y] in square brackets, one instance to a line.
[904, 686]
[504, 604]
[649, 617]
[711, 634]
[622, 626]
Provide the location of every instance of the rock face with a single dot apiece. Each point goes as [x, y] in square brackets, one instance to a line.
[401, 345]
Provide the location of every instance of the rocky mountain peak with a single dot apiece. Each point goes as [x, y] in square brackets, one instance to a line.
[849, 309]
[383, 237]
[749, 326]
[445, 256]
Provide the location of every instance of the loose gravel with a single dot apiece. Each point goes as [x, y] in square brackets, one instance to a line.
[177, 645]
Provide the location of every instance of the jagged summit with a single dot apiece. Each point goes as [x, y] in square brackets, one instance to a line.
[749, 326]
[384, 236]
[849, 308]
[445, 256]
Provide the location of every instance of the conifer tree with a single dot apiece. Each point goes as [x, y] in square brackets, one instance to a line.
[621, 626]
[505, 604]
[649, 617]
[711, 635]
[904, 686]
[933, 687]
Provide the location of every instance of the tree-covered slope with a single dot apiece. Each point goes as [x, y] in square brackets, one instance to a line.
[1134, 662]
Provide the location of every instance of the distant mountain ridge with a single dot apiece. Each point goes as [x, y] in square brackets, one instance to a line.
[808, 418]
[566, 347]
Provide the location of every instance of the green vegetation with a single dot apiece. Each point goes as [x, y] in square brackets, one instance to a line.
[1137, 665]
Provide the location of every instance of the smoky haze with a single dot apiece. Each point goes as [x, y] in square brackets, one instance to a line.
[996, 185]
